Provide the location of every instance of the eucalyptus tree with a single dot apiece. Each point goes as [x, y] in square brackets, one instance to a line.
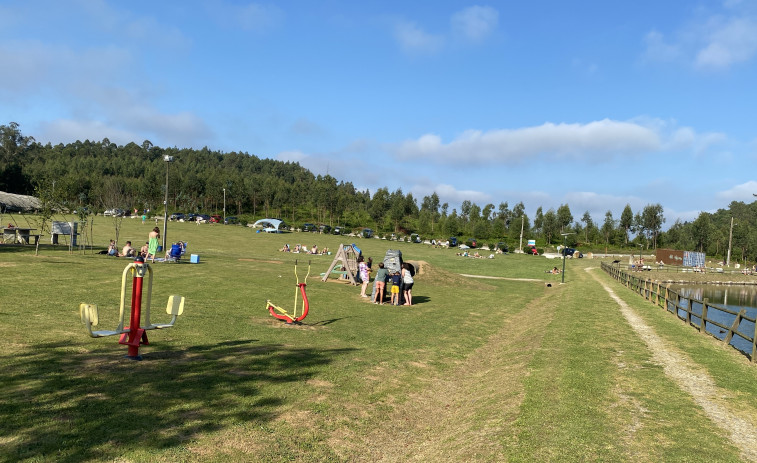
[626, 222]
[564, 217]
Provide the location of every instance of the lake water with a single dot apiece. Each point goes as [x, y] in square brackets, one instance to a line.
[733, 298]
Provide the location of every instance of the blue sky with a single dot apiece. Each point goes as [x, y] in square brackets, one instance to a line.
[595, 104]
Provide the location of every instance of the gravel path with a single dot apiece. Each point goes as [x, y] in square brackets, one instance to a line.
[695, 381]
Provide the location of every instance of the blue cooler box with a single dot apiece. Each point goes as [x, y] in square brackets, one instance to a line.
[194, 258]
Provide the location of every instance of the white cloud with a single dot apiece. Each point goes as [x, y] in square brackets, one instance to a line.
[728, 42]
[475, 23]
[69, 131]
[596, 140]
[714, 41]
[657, 49]
[291, 156]
[413, 39]
[449, 194]
[743, 192]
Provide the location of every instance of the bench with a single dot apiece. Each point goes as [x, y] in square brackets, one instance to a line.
[29, 238]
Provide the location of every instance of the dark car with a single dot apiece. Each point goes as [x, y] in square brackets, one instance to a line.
[502, 246]
[367, 233]
[309, 227]
[230, 220]
[325, 228]
[202, 218]
[337, 230]
[415, 238]
[452, 241]
[176, 216]
[570, 252]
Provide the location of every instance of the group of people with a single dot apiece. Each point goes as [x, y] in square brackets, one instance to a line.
[465, 253]
[148, 250]
[298, 248]
[401, 282]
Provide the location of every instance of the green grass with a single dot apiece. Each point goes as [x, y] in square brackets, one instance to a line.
[231, 383]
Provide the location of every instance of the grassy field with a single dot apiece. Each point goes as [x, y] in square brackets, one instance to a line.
[479, 369]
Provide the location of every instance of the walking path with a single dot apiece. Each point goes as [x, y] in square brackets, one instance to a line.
[695, 381]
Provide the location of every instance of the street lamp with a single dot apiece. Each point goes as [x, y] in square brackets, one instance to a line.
[564, 253]
[168, 159]
[224, 206]
[730, 241]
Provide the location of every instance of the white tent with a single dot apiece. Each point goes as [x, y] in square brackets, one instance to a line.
[269, 225]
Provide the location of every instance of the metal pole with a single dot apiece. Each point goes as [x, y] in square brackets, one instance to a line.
[224, 206]
[564, 245]
[165, 209]
[522, 219]
[730, 239]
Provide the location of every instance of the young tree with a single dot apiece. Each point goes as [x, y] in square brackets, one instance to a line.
[588, 224]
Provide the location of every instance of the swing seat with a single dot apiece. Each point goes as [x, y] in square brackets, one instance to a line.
[174, 308]
[89, 316]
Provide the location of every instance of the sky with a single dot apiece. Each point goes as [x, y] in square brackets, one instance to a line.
[593, 104]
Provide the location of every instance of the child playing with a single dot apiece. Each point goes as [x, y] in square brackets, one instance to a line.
[378, 293]
[395, 288]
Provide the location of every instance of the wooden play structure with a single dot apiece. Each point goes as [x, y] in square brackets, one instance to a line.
[347, 255]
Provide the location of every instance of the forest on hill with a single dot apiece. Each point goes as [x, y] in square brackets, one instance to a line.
[99, 175]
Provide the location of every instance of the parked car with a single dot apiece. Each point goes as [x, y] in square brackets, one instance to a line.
[176, 216]
[502, 246]
[230, 220]
[570, 252]
[338, 230]
[366, 233]
[415, 238]
[202, 218]
[452, 241]
[325, 228]
[216, 219]
[114, 212]
[190, 217]
[309, 227]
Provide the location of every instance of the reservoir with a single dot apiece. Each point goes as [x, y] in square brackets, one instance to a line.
[732, 297]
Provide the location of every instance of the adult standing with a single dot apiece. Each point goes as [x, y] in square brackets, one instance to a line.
[152, 243]
[407, 279]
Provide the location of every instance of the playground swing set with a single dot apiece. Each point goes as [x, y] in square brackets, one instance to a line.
[293, 318]
[133, 335]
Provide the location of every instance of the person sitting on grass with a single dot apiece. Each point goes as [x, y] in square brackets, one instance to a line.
[127, 251]
[112, 249]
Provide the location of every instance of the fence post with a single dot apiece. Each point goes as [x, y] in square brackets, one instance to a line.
[734, 327]
[754, 344]
[703, 324]
[667, 296]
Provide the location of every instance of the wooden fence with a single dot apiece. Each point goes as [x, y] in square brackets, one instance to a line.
[736, 329]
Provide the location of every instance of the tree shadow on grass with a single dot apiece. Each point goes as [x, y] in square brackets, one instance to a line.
[67, 403]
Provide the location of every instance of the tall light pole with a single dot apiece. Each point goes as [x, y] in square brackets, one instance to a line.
[224, 206]
[564, 256]
[168, 159]
[520, 247]
[730, 240]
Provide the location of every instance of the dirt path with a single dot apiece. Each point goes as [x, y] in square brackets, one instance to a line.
[463, 415]
[740, 427]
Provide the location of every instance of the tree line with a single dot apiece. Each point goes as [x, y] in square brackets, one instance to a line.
[98, 175]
